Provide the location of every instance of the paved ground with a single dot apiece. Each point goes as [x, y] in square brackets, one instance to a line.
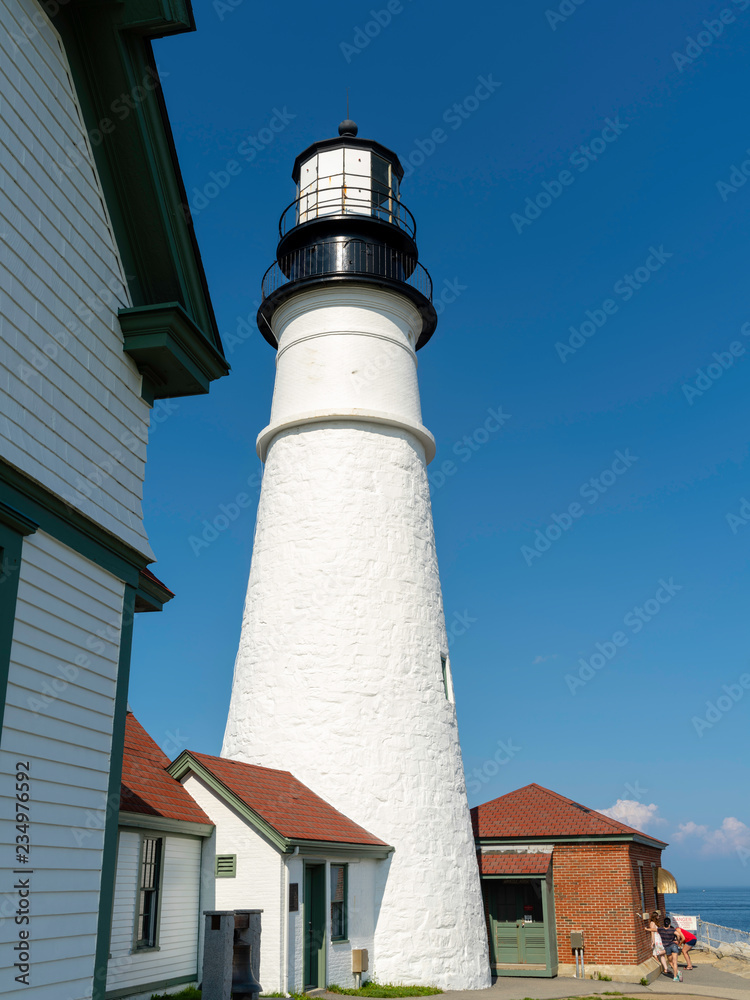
[708, 979]
[727, 979]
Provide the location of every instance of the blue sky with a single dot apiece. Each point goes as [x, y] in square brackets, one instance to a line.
[583, 187]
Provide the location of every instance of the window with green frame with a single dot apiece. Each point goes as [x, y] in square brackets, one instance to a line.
[148, 895]
[339, 916]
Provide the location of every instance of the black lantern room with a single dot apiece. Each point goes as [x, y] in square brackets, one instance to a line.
[347, 223]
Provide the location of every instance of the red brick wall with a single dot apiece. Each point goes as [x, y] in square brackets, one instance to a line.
[597, 891]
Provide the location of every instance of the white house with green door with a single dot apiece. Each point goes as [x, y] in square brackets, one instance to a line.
[317, 876]
[104, 315]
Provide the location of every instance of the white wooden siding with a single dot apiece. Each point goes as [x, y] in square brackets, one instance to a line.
[260, 879]
[58, 716]
[71, 413]
[178, 913]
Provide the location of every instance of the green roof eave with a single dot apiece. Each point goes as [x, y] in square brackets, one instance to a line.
[615, 838]
[187, 763]
[119, 89]
[172, 353]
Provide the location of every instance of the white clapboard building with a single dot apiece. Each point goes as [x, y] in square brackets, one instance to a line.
[104, 313]
[206, 833]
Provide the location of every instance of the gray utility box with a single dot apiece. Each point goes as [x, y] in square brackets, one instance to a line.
[231, 955]
[576, 940]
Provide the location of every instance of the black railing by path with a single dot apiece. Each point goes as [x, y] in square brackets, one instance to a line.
[319, 202]
[347, 257]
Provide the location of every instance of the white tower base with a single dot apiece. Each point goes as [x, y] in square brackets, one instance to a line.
[339, 676]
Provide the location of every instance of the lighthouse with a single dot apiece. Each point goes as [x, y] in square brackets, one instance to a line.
[343, 674]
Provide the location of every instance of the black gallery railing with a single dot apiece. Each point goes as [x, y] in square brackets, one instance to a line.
[347, 257]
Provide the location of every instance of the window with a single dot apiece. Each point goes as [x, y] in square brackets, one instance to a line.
[381, 188]
[643, 890]
[148, 897]
[338, 902]
[225, 866]
[655, 876]
[444, 667]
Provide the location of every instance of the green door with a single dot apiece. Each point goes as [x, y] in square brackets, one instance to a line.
[315, 926]
[516, 923]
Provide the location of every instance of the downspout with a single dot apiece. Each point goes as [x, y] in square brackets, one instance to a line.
[285, 911]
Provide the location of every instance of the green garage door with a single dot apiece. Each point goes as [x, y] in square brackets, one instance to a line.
[516, 923]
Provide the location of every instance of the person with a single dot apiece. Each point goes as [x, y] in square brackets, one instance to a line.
[668, 937]
[686, 940]
[657, 947]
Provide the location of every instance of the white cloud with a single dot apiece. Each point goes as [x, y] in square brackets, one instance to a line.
[633, 813]
[733, 835]
[543, 659]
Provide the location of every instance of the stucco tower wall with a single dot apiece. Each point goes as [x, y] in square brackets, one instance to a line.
[338, 676]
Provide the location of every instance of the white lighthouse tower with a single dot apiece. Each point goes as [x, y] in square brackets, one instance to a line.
[343, 675]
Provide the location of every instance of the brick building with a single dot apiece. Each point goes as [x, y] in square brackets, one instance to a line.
[550, 866]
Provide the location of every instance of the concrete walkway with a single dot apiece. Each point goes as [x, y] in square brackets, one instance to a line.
[724, 980]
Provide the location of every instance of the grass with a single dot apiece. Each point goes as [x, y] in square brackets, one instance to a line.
[373, 989]
[189, 993]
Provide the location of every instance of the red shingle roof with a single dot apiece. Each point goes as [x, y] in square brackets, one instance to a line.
[146, 787]
[534, 811]
[287, 805]
[514, 864]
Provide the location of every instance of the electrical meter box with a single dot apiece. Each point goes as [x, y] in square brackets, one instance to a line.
[359, 959]
[576, 939]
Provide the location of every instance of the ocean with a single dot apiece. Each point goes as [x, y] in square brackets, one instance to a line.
[729, 907]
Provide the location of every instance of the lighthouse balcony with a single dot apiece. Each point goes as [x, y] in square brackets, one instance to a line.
[348, 195]
[351, 260]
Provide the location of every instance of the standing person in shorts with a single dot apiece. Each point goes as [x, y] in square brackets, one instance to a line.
[657, 948]
[668, 937]
[686, 940]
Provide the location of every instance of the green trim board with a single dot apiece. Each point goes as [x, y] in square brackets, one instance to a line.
[69, 526]
[186, 763]
[152, 987]
[14, 527]
[176, 827]
[109, 853]
[119, 90]
[614, 838]
[151, 594]
[171, 352]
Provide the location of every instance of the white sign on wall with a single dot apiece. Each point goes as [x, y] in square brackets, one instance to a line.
[686, 923]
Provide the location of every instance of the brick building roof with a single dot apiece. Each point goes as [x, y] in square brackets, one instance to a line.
[283, 802]
[534, 811]
[146, 786]
[513, 864]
